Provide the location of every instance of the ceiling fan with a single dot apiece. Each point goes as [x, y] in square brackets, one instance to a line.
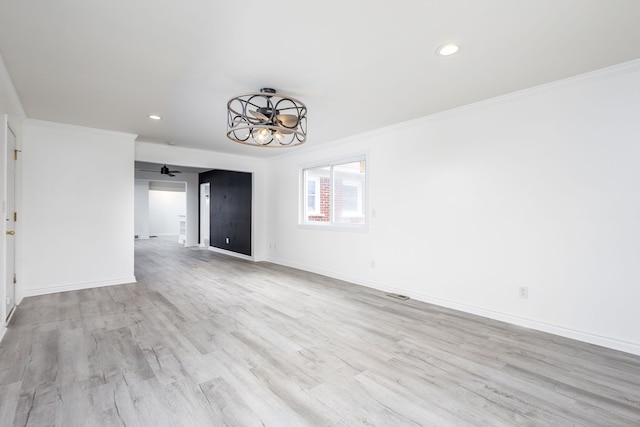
[267, 115]
[164, 170]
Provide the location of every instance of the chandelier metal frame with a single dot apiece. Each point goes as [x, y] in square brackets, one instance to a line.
[266, 119]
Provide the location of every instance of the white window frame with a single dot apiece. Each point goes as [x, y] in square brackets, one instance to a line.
[362, 199]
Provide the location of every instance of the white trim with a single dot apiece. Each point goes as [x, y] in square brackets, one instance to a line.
[4, 156]
[13, 313]
[608, 342]
[603, 73]
[531, 324]
[3, 330]
[56, 125]
[230, 253]
[319, 225]
[76, 287]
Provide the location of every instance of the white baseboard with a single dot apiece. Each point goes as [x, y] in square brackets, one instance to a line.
[75, 287]
[230, 253]
[3, 325]
[614, 344]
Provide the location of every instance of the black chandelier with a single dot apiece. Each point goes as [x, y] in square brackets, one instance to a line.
[266, 120]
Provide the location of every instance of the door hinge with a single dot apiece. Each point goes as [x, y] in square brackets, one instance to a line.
[15, 216]
[14, 279]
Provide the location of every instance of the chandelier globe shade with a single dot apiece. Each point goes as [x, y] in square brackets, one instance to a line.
[266, 119]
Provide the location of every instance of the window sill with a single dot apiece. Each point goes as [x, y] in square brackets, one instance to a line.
[354, 228]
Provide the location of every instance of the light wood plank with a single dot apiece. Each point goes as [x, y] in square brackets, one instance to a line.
[204, 339]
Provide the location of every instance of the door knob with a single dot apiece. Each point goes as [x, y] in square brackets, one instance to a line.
[11, 233]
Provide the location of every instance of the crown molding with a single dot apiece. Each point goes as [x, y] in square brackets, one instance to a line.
[7, 86]
[603, 73]
[64, 126]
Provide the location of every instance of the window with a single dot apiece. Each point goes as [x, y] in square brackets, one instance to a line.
[317, 185]
[351, 198]
[313, 196]
[334, 194]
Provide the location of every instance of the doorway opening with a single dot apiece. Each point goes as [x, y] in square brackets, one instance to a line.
[168, 209]
[161, 208]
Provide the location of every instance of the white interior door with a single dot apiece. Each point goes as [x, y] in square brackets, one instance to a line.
[10, 300]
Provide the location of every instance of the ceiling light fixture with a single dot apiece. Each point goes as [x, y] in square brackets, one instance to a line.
[447, 49]
[154, 117]
[266, 120]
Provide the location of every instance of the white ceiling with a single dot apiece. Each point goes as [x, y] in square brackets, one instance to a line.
[357, 65]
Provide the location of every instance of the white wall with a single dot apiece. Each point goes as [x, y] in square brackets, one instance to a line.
[538, 189]
[77, 208]
[164, 208]
[182, 156]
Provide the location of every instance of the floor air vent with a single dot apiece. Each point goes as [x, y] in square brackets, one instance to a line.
[398, 296]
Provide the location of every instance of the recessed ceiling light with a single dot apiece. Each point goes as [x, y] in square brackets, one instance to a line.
[154, 117]
[447, 49]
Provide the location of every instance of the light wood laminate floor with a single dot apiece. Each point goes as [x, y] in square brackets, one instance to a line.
[207, 340]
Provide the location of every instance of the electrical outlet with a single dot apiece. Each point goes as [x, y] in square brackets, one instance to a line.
[523, 292]
[373, 264]
[227, 240]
